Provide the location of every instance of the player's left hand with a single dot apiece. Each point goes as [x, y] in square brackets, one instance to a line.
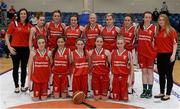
[172, 58]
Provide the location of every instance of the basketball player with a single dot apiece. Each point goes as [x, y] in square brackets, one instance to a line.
[73, 32]
[39, 70]
[80, 60]
[122, 68]
[146, 53]
[109, 33]
[36, 31]
[128, 31]
[100, 59]
[60, 68]
[55, 28]
[92, 29]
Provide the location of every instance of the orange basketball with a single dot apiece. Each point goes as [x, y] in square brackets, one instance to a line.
[78, 97]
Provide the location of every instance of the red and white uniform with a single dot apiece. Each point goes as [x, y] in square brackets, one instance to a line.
[60, 71]
[146, 50]
[100, 73]
[91, 33]
[38, 33]
[109, 38]
[129, 35]
[165, 43]
[72, 34]
[40, 73]
[54, 32]
[120, 69]
[80, 72]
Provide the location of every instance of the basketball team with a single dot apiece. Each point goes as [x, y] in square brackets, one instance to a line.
[76, 53]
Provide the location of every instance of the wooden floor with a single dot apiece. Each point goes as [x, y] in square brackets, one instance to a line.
[6, 65]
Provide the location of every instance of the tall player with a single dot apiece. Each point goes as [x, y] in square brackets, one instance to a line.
[39, 70]
[128, 31]
[122, 69]
[73, 32]
[109, 33]
[55, 28]
[146, 53]
[80, 60]
[100, 59]
[92, 29]
[61, 61]
[36, 31]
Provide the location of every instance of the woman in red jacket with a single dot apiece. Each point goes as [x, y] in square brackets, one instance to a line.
[166, 41]
[19, 46]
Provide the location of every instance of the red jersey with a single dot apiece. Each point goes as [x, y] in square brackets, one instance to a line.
[99, 62]
[120, 62]
[71, 35]
[80, 64]
[20, 34]
[38, 33]
[129, 35]
[61, 62]
[41, 68]
[109, 38]
[91, 34]
[54, 33]
[165, 43]
[145, 42]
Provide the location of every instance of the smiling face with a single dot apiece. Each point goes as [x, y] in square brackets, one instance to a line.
[61, 43]
[80, 45]
[23, 16]
[92, 18]
[147, 18]
[161, 21]
[109, 20]
[73, 21]
[41, 43]
[56, 17]
[41, 21]
[127, 21]
[120, 43]
[99, 42]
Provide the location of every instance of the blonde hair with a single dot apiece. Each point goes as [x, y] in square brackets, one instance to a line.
[168, 26]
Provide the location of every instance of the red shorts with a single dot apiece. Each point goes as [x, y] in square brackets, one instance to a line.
[120, 87]
[80, 83]
[145, 62]
[100, 84]
[60, 83]
[40, 89]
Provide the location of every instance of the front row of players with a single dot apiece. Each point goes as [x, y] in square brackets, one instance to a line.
[78, 64]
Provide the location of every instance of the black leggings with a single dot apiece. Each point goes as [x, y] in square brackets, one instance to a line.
[22, 55]
[165, 69]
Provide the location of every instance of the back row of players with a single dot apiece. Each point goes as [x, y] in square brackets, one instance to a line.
[93, 48]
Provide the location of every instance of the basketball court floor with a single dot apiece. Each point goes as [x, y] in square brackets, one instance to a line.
[23, 100]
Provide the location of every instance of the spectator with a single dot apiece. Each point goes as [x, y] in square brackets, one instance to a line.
[11, 12]
[164, 9]
[33, 20]
[155, 15]
[4, 45]
[3, 7]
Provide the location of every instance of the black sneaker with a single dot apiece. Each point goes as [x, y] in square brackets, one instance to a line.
[148, 94]
[165, 98]
[159, 96]
[143, 94]
[131, 92]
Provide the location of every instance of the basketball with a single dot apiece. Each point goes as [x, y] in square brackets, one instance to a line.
[78, 97]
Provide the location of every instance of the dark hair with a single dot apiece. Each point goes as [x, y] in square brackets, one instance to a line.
[57, 11]
[18, 15]
[97, 38]
[40, 14]
[74, 15]
[109, 14]
[142, 23]
[129, 15]
[84, 50]
[55, 49]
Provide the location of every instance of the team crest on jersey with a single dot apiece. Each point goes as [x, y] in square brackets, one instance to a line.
[60, 29]
[102, 56]
[130, 34]
[113, 32]
[65, 56]
[150, 32]
[96, 29]
[46, 57]
[77, 30]
[124, 57]
[19, 28]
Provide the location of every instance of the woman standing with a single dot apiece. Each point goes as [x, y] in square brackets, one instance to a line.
[39, 70]
[55, 28]
[100, 61]
[19, 47]
[73, 32]
[109, 33]
[146, 53]
[166, 41]
[36, 31]
[91, 31]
